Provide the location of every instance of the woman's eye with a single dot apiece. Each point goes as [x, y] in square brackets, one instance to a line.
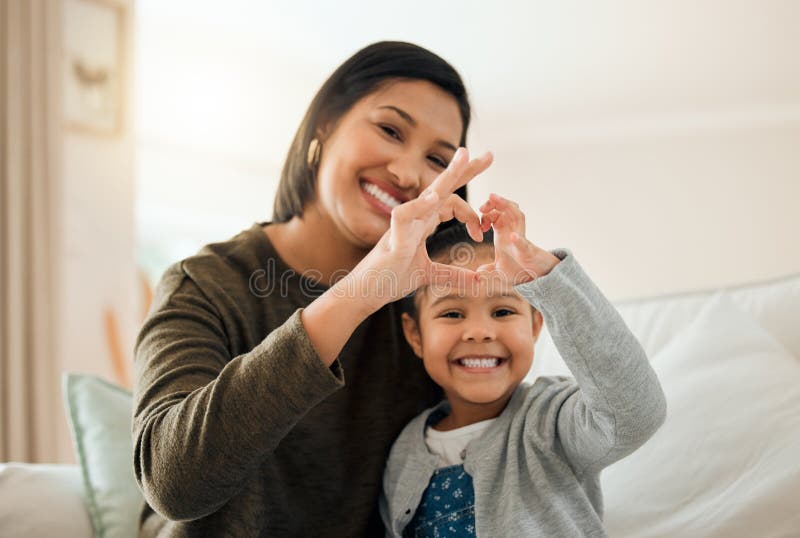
[390, 131]
[438, 161]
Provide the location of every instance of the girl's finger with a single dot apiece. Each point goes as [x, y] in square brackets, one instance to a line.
[496, 201]
[523, 248]
[513, 217]
[486, 268]
[489, 218]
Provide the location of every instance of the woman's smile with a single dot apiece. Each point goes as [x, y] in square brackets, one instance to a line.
[364, 172]
[380, 196]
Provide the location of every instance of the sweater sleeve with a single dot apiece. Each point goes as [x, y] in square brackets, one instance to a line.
[204, 421]
[619, 403]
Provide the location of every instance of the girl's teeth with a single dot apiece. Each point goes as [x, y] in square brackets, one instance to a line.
[479, 363]
[384, 197]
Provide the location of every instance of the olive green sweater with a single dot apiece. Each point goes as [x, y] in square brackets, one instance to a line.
[239, 429]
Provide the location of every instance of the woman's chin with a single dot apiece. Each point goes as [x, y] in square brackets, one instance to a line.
[367, 234]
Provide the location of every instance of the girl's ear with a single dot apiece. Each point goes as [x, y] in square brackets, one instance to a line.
[538, 323]
[411, 332]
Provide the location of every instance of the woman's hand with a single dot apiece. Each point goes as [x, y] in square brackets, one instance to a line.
[399, 262]
[516, 260]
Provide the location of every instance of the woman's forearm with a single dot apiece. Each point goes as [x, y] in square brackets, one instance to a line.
[332, 317]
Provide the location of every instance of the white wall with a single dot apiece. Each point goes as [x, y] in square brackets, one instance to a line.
[657, 140]
[662, 210]
[96, 268]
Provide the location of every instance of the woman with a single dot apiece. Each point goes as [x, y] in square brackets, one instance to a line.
[271, 374]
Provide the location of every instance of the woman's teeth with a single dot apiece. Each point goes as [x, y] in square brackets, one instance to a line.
[381, 195]
[479, 363]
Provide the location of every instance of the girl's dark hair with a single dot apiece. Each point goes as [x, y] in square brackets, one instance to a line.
[357, 77]
[449, 245]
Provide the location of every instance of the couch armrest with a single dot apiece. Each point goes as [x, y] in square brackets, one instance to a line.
[43, 500]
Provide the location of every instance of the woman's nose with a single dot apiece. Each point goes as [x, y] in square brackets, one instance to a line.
[406, 173]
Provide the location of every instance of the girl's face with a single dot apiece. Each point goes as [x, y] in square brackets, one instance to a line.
[477, 342]
[384, 151]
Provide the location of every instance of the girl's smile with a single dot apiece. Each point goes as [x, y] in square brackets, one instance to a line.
[477, 343]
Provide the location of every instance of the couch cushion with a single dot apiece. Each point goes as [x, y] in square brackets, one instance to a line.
[774, 304]
[100, 420]
[724, 464]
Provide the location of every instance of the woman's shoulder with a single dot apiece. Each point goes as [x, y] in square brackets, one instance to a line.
[245, 252]
[225, 269]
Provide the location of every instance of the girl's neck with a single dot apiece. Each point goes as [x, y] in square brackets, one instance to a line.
[309, 244]
[466, 413]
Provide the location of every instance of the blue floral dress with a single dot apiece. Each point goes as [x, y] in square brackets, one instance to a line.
[447, 508]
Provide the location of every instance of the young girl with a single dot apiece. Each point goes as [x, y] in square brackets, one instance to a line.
[501, 458]
[270, 374]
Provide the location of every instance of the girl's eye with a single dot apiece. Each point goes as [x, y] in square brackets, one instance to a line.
[453, 315]
[502, 312]
[390, 131]
[438, 161]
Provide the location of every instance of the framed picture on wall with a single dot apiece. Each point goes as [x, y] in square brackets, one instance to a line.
[93, 34]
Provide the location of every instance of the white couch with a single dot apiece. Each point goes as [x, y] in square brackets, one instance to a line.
[723, 465]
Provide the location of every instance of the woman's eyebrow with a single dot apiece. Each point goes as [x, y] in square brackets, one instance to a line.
[411, 121]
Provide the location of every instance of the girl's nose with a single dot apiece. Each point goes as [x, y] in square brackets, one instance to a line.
[479, 330]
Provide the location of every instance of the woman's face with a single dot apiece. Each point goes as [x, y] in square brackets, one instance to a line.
[384, 151]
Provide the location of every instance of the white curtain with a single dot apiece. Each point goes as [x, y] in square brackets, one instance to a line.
[29, 185]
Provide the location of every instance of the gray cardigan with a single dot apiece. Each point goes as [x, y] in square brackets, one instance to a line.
[536, 470]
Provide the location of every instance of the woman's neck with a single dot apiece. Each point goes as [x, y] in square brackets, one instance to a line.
[309, 244]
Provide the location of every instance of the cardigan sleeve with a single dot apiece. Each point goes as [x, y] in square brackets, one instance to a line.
[203, 421]
[618, 403]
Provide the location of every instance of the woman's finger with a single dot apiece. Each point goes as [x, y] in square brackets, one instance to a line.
[416, 208]
[441, 274]
[475, 167]
[412, 217]
[445, 183]
[459, 172]
[456, 207]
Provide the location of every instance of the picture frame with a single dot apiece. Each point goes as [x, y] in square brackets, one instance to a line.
[93, 66]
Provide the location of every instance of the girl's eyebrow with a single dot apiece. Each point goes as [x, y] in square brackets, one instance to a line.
[442, 298]
[411, 121]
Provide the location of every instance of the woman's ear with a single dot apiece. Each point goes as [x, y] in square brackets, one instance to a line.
[538, 323]
[411, 332]
[324, 131]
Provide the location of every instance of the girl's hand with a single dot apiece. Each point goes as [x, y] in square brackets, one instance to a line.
[516, 260]
[399, 263]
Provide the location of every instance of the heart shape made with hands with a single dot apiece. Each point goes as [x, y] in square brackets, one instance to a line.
[516, 260]
[402, 250]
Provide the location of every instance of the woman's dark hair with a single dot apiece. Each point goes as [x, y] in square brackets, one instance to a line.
[357, 77]
[449, 245]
